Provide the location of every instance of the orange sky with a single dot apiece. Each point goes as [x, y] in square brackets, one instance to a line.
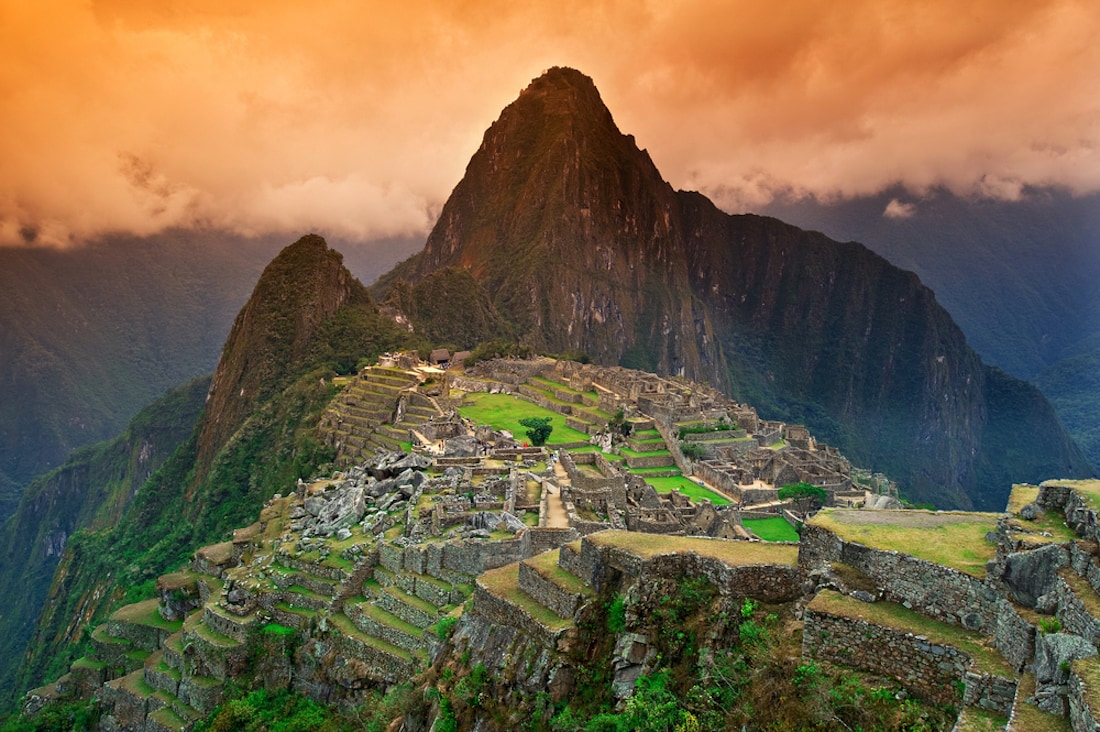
[357, 118]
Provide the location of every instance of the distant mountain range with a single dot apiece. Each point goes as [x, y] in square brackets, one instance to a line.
[1019, 277]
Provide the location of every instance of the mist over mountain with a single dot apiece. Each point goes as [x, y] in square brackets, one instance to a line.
[93, 334]
[577, 240]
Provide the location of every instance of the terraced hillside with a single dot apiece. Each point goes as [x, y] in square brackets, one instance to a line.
[376, 412]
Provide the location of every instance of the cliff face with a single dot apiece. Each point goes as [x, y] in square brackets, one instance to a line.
[572, 232]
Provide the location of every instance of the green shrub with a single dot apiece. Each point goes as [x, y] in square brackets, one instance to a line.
[798, 491]
[443, 628]
[692, 451]
[616, 614]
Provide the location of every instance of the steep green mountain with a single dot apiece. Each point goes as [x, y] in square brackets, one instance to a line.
[256, 435]
[89, 491]
[90, 335]
[448, 306]
[572, 233]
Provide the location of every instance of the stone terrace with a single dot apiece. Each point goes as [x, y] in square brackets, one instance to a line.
[997, 612]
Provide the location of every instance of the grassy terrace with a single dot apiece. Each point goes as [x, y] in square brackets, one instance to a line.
[955, 540]
[650, 471]
[504, 411]
[1089, 490]
[1021, 495]
[1088, 669]
[973, 719]
[1030, 717]
[504, 583]
[890, 615]
[546, 564]
[771, 529]
[382, 617]
[146, 613]
[1083, 590]
[734, 553]
[650, 453]
[1050, 521]
[347, 628]
[194, 623]
[689, 488]
[541, 382]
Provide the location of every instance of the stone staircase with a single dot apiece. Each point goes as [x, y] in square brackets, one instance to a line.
[375, 412]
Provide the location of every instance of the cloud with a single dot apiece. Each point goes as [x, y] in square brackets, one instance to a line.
[136, 116]
[898, 210]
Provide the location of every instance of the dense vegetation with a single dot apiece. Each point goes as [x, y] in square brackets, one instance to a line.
[1073, 388]
[721, 663]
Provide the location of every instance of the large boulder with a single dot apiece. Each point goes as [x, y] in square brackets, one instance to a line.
[1030, 574]
[1054, 652]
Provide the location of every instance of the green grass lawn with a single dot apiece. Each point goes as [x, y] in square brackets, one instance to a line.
[771, 529]
[688, 488]
[953, 539]
[504, 411]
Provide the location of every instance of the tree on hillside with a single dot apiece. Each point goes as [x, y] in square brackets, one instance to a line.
[538, 429]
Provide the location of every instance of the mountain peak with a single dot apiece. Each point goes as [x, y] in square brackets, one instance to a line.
[553, 180]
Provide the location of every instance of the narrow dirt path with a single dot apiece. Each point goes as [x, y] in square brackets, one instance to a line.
[556, 517]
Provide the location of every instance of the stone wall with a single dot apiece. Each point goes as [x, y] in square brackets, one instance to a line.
[547, 593]
[1079, 515]
[581, 480]
[1082, 717]
[500, 611]
[1073, 613]
[537, 541]
[940, 592]
[598, 565]
[933, 671]
[1014, 637]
